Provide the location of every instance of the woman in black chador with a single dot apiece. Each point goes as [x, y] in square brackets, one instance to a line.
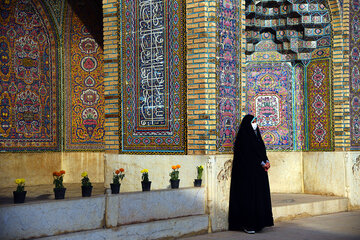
[250, 202]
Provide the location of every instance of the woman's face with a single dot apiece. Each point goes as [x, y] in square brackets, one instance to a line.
[254, 124]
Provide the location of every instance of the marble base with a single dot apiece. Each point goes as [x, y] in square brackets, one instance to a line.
[49, 218]
[120, 213]
[139, 207]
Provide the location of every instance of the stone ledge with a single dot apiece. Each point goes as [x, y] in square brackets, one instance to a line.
[291, 211]
[163, 229]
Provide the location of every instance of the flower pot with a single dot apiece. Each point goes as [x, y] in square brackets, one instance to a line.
[146, 185]
[197, 182]
[174, 183]
[19, 197]
[59, 193]
[86, 191]
[115, 188]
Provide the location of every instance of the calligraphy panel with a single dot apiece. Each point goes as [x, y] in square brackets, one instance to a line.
[153, 100]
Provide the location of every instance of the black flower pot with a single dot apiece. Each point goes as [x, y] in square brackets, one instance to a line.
[115, 188]
[146, 185]
[19, 197]
[174, 183]
[197, 182]
[59, 193]
[86, 191]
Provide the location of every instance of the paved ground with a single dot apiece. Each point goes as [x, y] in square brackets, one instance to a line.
[337, 226]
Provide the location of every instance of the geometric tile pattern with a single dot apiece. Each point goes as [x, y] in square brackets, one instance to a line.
[319, 106]
[227, 74]
[29, 76]
[84, 87]
[354, 75]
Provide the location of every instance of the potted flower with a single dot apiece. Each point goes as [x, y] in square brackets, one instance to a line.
[118, 176]
[19, 194]
[174, 176]
[145, 183]
[59, 189]
[198, 180]
[86, 186]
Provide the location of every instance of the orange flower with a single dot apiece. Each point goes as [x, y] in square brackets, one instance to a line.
[173, 167]
[62, 172]
[58, 174]
[121, 170]
[117, 171]
[178, 166]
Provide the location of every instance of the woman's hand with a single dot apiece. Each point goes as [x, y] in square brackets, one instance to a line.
[265, 168]
[267, 165]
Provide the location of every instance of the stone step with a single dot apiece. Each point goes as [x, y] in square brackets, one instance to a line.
[288, 206]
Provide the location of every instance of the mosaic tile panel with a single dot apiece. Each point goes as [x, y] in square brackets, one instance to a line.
[319, 115]
[227, 74]
[84, 87]
[354, 75]
[299, 107]
[269, 97]
[28, 78]
[153, 100]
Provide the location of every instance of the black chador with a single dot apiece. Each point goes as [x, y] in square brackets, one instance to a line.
[250, 202]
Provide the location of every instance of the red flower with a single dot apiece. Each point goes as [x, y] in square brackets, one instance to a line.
[121, 170]
[117, 171]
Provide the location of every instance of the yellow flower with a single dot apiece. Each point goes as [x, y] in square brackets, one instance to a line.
[22, 180]
[144, 171]
[18, 181]
[84, 174]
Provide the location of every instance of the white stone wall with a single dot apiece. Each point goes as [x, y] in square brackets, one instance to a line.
[352, 186]
[333, 173]
[324, 173]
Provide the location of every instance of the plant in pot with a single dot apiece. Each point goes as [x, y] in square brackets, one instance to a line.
[86, 187]
[174, 177]
[145, 183]
[59, 189]
[19, 194]
[118, 176]
[198, 180]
